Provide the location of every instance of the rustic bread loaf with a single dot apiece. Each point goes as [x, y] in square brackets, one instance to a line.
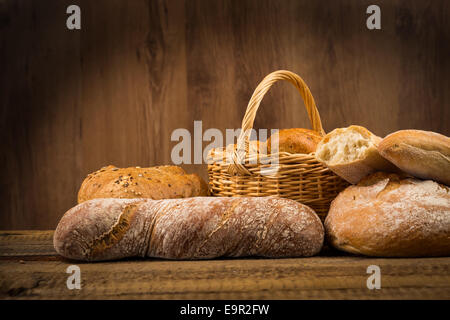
[387, 215]
[423, 154]
[352, 153]
[161, 182]
[294, 140]
[193, 228]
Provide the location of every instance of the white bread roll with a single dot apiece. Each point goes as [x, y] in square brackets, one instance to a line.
[385, 215]
[352, 153]
[423, 154]
[189, 228]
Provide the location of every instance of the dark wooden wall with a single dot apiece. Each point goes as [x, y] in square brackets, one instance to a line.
[113, 92]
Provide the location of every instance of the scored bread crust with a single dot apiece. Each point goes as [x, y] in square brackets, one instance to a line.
[423, 154]
[364, 164]
[392, 216]
[162, 182]
[192, 228]
[295, 140]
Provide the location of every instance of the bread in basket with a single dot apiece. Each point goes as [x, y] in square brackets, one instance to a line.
[299, 177]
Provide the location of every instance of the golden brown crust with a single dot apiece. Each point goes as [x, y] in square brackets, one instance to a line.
[389, 215]
[423, 154]
[255, 149]
[295, 140]
[163, 182]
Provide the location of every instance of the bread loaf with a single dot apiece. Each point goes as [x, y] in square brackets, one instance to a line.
[193, 228]
[254, 149]
[423, 154]
[352, 153]
[161, 182]
[387, 215]
[295, 140]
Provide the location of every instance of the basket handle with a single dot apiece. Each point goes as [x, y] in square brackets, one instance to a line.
[252, 108]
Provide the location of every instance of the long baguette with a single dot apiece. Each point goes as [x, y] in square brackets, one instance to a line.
[192, 228]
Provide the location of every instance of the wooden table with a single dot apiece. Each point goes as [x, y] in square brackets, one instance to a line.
[31, 269]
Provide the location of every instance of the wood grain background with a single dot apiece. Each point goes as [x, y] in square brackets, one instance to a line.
[113, 92]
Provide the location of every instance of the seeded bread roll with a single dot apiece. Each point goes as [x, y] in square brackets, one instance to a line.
[352, 153]
[295, 140]
[163, 182]
[387, 215]
[193, 228]
[423, 154]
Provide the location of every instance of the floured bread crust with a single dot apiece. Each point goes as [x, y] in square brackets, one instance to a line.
[352, 153]
[97, 226]
[161, 182]
[389, 215]
[423, 154]
[254, 149]
[193, 228]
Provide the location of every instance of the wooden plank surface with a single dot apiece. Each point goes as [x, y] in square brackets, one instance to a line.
[30, 269]
[114, 91]
[26, 243]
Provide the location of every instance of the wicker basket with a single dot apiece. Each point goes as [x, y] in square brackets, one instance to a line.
[299, 177]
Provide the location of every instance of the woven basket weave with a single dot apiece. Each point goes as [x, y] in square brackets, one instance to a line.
[299, 177]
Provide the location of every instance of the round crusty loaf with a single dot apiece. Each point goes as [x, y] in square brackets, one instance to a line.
[352, 153]
[423, 154]
[295, 140]
[385, 215]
